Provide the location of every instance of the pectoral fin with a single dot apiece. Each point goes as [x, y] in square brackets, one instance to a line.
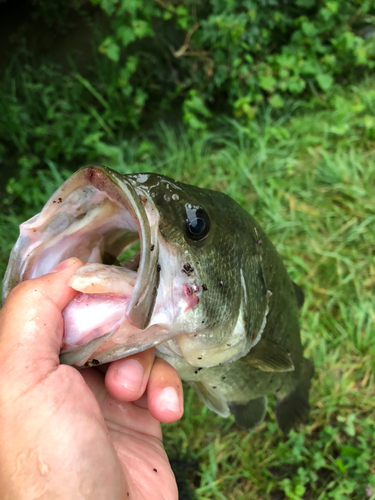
[211, 398]
[248, 416]
[269, 357]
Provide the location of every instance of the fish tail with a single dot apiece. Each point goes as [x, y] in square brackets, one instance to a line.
[300, 296]
[294, 408]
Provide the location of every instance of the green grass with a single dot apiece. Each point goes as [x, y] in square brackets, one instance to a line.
[309, 180]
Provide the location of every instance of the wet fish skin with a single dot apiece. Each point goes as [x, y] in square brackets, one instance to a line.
[216, 260]
[240, 266]
[237, 340]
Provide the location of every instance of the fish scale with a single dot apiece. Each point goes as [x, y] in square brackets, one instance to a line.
[210, 291]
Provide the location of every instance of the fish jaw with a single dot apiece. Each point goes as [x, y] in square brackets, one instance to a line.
[96, 211]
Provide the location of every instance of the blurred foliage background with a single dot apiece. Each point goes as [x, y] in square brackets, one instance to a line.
[270, 101]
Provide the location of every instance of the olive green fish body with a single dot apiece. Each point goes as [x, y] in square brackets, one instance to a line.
[265, 284]
[207, 288]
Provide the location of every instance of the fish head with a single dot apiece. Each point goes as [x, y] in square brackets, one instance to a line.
[187, 294]
[199, 259]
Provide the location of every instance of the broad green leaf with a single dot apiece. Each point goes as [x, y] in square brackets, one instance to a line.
[126, 35]
[276, 101]
[110, 48]
[267, 82]
[324, 81]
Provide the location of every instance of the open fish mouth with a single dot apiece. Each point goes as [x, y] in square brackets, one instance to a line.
[96, 215]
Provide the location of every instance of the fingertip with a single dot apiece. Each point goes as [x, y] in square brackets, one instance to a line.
[168, 405]
[73, 263]
[57, 282]
[126, 379]
[164, 393]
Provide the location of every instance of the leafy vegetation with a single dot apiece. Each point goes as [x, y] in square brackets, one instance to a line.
[309, 181]
[236, 55]
[302, 162]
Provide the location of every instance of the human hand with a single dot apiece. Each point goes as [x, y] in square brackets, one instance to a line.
[70, 434]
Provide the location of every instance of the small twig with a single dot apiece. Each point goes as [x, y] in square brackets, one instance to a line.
[181, 51]
[197, 53]
[165, 5]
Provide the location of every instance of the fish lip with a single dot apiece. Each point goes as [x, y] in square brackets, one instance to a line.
[118, 188]
[141, 304]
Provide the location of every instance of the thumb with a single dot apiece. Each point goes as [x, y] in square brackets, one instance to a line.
[31, 323]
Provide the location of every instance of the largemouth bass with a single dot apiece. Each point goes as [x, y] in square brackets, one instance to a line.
[206, 288]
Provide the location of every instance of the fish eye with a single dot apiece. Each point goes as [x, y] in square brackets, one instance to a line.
[197, 223]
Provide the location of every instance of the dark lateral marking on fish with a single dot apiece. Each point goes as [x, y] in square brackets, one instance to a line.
[221, 283]
[158, 268]
[152, 247]
[187, 268]
[214, 387]
[95, 362]
[199, 358]
[204, 288]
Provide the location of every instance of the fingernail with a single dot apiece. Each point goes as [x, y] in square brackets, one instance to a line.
[168, 398]
[65, 264]
[130, 374]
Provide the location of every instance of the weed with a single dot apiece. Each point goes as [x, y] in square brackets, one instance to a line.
[309, 181]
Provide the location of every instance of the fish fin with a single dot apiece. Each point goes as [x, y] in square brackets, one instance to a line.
[294, 408]
[211, 398]
[269, 357]
[300, 296]
[250, 415]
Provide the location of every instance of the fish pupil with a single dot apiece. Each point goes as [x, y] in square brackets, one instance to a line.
[197, 223]
[196, 226]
